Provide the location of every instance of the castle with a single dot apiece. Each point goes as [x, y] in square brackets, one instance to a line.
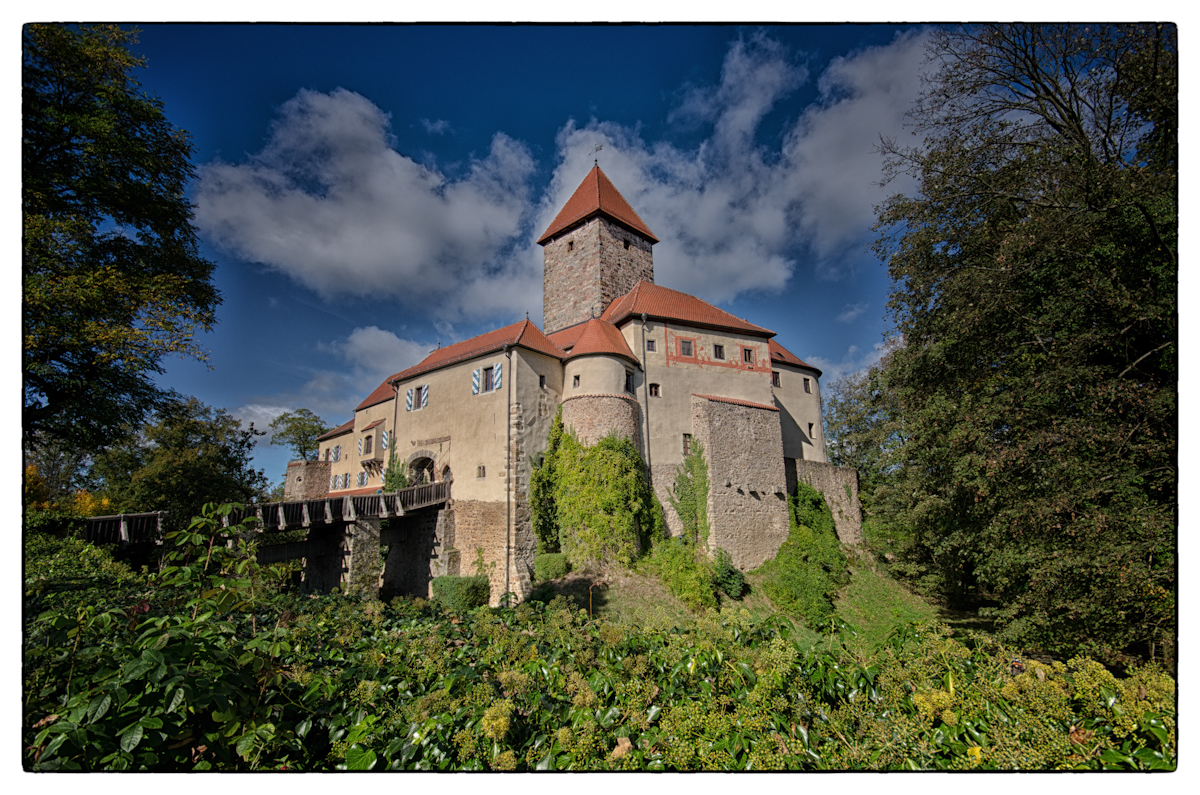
[619, 353]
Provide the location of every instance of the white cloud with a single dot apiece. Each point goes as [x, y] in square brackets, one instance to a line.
[439, 127]
[730, 213]
[853, 361]
[370, 354]
[329, 202]
[851, 312]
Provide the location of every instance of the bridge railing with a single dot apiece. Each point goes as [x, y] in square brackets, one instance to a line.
[125, 528]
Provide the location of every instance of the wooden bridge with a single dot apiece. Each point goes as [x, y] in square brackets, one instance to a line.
[342, 539]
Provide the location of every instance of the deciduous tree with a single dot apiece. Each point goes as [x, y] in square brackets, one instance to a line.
[113, 279]
[1035, 272]
[298, 430]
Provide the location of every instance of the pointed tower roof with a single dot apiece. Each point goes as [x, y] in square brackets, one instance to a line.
[596, 195]
[593, 337]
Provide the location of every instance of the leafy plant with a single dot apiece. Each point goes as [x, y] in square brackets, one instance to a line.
[461, 593]
[727, 578]
[685, 569]
[550, 566]
[690, 497]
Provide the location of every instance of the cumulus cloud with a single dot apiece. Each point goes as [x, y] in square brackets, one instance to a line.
[851, 312]
[731, 212]
[853, 361]
[439, 127]
[329, 202]
[369, 354]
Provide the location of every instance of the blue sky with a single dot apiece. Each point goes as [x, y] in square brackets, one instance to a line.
[369, 192]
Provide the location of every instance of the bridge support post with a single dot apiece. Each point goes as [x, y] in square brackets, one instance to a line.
[363, 565]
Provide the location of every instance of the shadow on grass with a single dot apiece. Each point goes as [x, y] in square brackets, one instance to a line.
[584, 590]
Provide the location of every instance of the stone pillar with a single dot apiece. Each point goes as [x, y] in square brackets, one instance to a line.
[362, 563]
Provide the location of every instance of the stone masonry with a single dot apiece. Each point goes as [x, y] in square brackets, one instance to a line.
[576, 285]
[592, 417]
[747, 497]
[306, 480]
[839, 485]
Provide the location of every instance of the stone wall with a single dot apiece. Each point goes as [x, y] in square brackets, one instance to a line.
[586, 268]
[416, 551]
[839, 485]
[747, 497]
[306, 480]
[595, 416]
[479, 524]
[523, 540]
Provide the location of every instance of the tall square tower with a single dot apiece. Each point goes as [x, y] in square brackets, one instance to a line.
[595, 250]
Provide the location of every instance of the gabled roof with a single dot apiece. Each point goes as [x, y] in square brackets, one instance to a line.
[566, 338]
[345, 427]
[596, 195]
[662, 303]
[782, 354]
[598, 337]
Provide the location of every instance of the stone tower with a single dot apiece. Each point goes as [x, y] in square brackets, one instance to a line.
[596, 250]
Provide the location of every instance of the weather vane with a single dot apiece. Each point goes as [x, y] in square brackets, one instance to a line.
[594, 151]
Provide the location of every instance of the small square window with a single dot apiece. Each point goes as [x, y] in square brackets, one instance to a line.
[807, 386]
[685, 348]
[654, 391]
[775, 378]
[541, 382]
[575, 382]
[650, 345]
[748, 355]
[718, 351]
[687, 444]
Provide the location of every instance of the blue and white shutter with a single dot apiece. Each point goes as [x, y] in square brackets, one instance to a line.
[408, 401]
[360, 441]
[383, 439]
[337, 453]
[425, 396]
[332, 482]
[475, 382]
[498, 366]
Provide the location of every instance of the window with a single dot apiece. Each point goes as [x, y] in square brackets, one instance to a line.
[775, 378]
[575, 381]
[685, 348]
[337, 453]
[687, 444]
[541, 382]
[626, 245]
[748, 355]
[328, 453]
[629, 381]
[570, 245]
[362, 479]
[718, 351]
[810, 430]
[807, 386]
[417, 398]
[650, 346]
[654, 391]
[367, 446]
[489, 379]
[481, 471]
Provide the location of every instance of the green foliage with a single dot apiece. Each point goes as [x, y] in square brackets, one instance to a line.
[727, 578]
[542, 482]
[197, 668]
[605, 510]
[299, 431]
[55, 522]
[685, 569]
[396, 476]
[49, 558]
[192, 454]
[804, 576]
[550, 566]
[113, 279]
[690, 498]
[461, 593]
[1035, 271]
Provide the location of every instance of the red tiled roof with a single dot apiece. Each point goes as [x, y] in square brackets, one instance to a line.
[662, 303]
[782, 354]
[567, 337]
[374, 424]
[345, 427]
[737, 402]
[522, 333]
[598, 337]
[596, 194]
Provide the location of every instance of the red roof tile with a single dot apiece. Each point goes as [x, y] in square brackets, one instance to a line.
[737, 402]
[595, 195]
[567, 337]
[782, 354]
[345, 427]
[522, 333]
[662, 303]
[598, 337]
[374, 424]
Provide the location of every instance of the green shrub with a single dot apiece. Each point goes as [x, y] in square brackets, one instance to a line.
[70, 560]
[56, 522]
[461, 593]
[805, 574]
[690, 498]
[685, 570]
[550, 566]
[727, 578]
